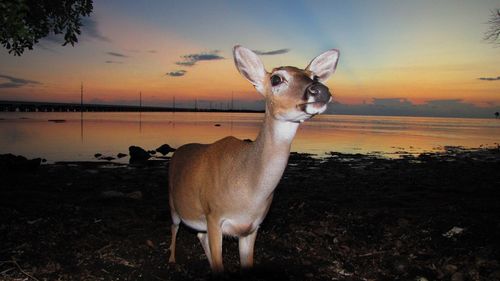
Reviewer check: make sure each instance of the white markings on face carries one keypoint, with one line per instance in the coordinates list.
(313, 108)
(283, 86)
(280, 88)
(295, 116)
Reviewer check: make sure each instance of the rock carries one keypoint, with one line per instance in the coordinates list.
(494, 275)
(150, 244)
(450, 268)
(121, 155)
(217, 125)
(137, 195)
(164, 149)
(457, 276)
(453, 232)
(112, 194)
(400, 264)
(108, 158)
(248, 140)
(138, 155)
(57, 120)
(34, 221)
(474, 275)
(152, 152)
(398, 244)
(49, 268)
(11, 162)
(97, 155)
(402, 222)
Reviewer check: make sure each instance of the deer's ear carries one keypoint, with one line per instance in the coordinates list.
(250, 66)
(325, 64)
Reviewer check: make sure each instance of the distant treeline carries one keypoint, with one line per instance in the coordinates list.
(30, 106)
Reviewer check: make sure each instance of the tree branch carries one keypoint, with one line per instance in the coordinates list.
(493, 33)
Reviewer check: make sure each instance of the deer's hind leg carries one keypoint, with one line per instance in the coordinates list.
(204, 243)
(176, 220)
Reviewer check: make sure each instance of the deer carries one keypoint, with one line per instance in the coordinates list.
(226, 188)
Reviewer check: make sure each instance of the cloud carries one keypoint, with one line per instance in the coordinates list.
(489, 78)
(117, 54)
(192, 59)
(113, 61)
(176, 73)
(90, 29)
(391, 102)
(185, 63)
(404, 107)
(151, 51)
(271, 53)
(445, 102)
(14, 82)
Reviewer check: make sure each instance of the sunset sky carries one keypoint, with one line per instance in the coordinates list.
(423, 54)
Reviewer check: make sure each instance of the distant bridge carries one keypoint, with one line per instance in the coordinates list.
(30, 106)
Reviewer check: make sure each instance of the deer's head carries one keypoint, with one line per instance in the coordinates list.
(292, 94)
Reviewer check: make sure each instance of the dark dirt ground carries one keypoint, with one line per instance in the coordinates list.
(343, 217)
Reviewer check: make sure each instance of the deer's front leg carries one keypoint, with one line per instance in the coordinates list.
(246, 246)
(215, 242)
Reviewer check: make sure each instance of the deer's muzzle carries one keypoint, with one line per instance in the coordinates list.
(317, 92)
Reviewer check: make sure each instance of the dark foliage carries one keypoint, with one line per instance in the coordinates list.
(24, 22)
(493, 33)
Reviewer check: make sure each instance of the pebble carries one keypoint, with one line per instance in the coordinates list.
(450, 268)
(457, 276)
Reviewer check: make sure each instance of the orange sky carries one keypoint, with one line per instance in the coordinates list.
(419, 51)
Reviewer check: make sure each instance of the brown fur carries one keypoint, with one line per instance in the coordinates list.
(226, 188)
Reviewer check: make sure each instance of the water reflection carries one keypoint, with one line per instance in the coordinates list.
(111, 133)
(81, 126)
(140, 121)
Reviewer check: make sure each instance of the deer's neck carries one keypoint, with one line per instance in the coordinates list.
(272, 149)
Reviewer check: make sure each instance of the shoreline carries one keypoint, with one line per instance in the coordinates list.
(344, 217)
(123, 159)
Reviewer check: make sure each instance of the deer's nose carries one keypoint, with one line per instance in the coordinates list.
(319, 92)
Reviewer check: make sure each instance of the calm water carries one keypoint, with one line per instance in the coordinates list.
(32, 135)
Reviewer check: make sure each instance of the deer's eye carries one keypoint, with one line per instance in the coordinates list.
(276, 80)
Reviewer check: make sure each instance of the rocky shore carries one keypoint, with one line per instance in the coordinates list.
(435, 216)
